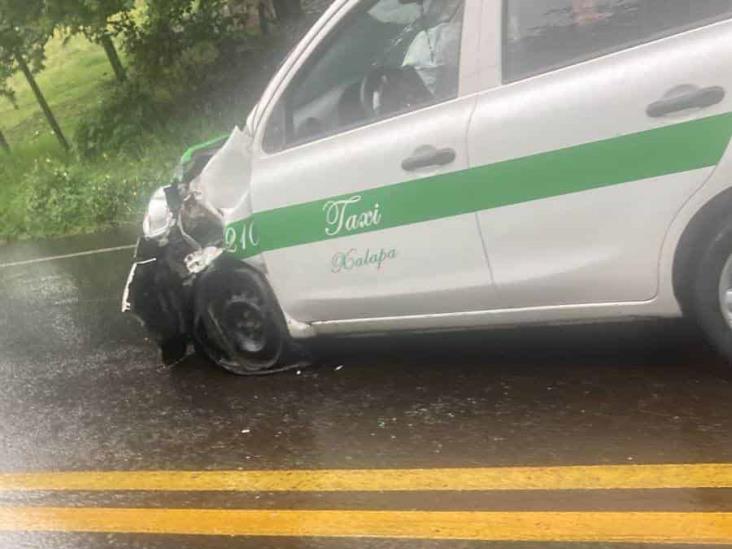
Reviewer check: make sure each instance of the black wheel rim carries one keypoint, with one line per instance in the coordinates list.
(245, 338)
(246, 328)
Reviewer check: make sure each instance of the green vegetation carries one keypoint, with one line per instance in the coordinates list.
(188, 74)
(44, 191)
(74, 78)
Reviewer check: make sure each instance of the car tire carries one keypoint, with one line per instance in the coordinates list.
(239, 325)
(710, 299)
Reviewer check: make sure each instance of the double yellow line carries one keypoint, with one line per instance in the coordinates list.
(637, 527)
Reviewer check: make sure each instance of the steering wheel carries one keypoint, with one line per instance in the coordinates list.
(371, 89)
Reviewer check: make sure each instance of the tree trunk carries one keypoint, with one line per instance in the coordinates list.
(4, 143)
(42, 101)
(113, 56)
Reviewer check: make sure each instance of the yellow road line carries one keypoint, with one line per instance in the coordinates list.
(610, 477)
(695, 528)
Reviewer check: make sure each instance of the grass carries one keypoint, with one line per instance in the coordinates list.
(76, 80)
(76, 76)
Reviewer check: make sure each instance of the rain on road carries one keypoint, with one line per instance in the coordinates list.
(517, 416)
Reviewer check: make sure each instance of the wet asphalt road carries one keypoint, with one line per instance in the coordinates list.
(82, 390)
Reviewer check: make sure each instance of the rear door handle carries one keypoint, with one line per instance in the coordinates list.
(686, 97)
(428, 156)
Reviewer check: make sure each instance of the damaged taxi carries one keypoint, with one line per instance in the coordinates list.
(456, 164)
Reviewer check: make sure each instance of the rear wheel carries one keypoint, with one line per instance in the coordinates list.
(711, 295)
(239, 325)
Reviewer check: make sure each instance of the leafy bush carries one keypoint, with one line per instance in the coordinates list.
(118, 122)
(178, 54)
(177, 44)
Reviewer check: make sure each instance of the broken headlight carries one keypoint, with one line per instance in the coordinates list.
(159, 218)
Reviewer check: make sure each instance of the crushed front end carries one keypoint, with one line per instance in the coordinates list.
(181, 237)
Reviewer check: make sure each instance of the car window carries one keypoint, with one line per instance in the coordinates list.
(541, 35)
(386, 57)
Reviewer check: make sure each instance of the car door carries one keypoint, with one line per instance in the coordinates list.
(606, 117)
(352, 167)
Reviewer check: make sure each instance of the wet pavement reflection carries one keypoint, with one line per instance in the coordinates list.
(83, 390)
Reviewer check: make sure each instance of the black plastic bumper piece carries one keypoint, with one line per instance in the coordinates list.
(161, 298)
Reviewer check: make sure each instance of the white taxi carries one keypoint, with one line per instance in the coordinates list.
(461, 164)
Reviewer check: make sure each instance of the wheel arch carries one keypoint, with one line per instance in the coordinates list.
(227, 263)
(688, 250)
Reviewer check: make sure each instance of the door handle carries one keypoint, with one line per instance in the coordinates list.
(425, 157)
(687, 97)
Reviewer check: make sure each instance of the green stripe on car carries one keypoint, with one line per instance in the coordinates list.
(654, 153)
(188, 154)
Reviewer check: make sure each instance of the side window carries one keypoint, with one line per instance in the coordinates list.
(541, 35)
(386, 57)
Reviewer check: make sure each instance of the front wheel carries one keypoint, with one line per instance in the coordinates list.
(711, 295)
(239, 325)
